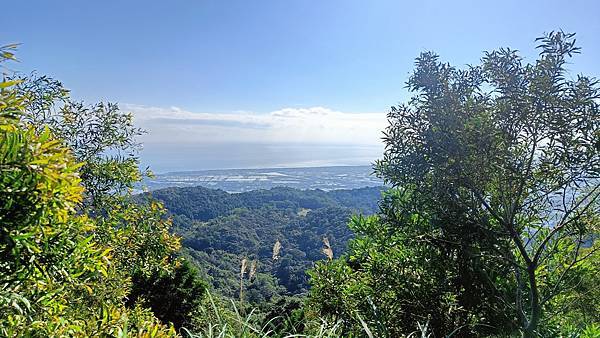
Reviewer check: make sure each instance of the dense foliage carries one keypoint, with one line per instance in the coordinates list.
(496, 172)
(401, 271)
(219, 229)
(57, 278)
(202, 204)
(173, 296)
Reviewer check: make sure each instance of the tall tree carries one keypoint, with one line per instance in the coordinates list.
(103, 139)
(494, 210)
(53, 274)
(100, 135)
(516, 146)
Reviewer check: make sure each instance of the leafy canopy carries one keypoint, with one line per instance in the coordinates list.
(496, 168)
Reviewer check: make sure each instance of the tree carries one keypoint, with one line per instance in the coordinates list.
(577, 307)
(52, 273)
(100, 135)
(402, 270)
(514, 145)
(103, 139)
(173, 296)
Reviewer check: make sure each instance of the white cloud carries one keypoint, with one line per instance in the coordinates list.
(315, 125)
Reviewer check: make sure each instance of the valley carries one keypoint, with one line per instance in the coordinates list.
(220, 229)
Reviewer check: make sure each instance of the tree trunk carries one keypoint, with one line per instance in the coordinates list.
(535, 306)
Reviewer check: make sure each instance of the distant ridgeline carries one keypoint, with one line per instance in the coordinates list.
(219, 229)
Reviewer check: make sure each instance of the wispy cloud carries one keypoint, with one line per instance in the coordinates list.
(314, 125)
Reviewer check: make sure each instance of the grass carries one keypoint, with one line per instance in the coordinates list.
(220, 321)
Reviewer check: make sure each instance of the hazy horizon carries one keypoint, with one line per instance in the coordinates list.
(179, 140)
(257, 156)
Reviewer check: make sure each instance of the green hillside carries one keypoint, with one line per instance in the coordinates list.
(219, 229)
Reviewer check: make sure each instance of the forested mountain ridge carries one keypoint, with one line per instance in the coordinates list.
(201, 204)
(219, 229)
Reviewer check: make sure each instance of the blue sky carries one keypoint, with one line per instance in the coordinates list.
(232, 72)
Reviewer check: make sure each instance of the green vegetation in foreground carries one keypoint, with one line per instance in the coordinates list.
(70, 237)
(490, 227)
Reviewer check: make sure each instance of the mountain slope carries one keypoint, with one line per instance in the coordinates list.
(219, 229)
